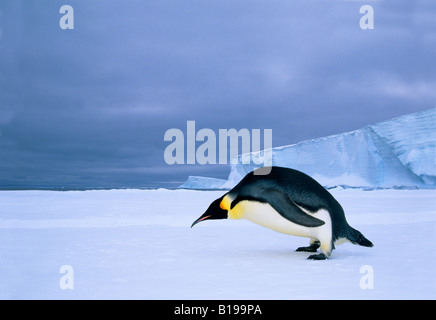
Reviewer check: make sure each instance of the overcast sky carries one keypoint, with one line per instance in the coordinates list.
(89, 107)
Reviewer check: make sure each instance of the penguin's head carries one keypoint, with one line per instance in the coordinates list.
(215, 211)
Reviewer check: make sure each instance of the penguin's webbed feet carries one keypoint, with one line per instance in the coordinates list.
(319, 256)
(314, 245)
(312, 248)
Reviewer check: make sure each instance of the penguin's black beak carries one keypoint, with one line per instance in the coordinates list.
(203, 217)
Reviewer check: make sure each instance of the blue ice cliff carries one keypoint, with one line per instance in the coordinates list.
(397, 153)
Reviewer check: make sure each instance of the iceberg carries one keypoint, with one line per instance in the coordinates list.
(197, 182)
(397, 153)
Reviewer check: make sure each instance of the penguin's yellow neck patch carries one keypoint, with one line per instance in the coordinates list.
(225, 203)
(236, 212)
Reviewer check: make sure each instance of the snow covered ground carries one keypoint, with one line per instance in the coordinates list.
(138, 244)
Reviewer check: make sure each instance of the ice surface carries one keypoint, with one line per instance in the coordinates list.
(394, 153)
(138, 244)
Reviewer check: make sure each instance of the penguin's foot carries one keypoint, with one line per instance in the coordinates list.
(312, 248)
(319, 256)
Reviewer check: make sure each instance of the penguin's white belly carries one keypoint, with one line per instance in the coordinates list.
(265, 215)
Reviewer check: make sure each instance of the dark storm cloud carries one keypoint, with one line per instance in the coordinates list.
(90, 106)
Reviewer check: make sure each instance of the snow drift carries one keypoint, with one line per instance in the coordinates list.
(398, 153)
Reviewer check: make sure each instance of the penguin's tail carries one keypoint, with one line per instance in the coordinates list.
(357, 238)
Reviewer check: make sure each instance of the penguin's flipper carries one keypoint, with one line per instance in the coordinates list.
(280, 202)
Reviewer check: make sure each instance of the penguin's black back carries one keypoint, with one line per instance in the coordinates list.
(303, 190)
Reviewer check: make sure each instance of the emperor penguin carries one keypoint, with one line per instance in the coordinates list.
(290, 202)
